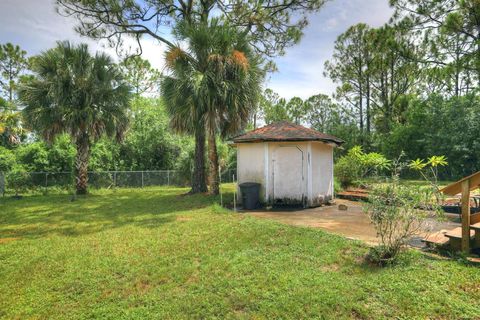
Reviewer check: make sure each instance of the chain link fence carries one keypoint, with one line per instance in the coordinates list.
(44, 181)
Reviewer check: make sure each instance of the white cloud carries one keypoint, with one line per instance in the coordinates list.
(35, 26)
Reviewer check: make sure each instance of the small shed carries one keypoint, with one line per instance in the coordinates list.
(293, 164)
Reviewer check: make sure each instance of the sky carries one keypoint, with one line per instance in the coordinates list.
(35, 26)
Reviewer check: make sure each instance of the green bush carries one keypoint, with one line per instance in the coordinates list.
(61, 154)
(33, 156)
(7, 159)
(356, 165)
(337, 187)
(346, 174)
(18, 179)
(397, 212)
(185, 162)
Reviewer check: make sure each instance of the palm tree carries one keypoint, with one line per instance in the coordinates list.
(213, 88)
(186, 110)
(76, 93)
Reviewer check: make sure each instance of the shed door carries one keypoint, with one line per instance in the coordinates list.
(288, 180)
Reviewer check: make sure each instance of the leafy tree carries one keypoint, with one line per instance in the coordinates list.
(140, 75)
(296, 110)
(392, 75)
(272, 25)
(438, 125)
(322, 113)
(374, 67)
(79, 94)
(350, 68)
(273, 107)
(450, 31)
(149, 144)
(13, 63)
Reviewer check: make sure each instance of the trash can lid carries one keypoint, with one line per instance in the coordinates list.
(249, 184)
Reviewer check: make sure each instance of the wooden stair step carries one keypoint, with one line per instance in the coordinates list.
(437, 238)
(474, 260)
(475, 226)
(457, 233)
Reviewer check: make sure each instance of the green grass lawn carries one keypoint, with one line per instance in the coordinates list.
(152, 253)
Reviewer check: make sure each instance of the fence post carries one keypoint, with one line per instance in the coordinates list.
(142, 180)
(2, 183)
(234, 195)
(46, 182)
(220, 185)
(115, 179)
(168, 177)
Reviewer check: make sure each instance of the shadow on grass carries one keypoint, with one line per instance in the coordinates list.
(39, 216)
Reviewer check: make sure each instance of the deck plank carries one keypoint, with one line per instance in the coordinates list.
(437, 238)
(457, 233)
(475, 226)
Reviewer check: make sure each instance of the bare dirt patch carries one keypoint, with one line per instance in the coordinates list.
(183, 218)
(7, 240)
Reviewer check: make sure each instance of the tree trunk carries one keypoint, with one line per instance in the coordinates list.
(199, 184)
(81, 164)
(360, 93)
(213, 181)
(368, 105)
(360, 107)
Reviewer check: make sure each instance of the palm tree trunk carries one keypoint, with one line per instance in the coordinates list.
(213, 181)
(81, 164)
(199, 184)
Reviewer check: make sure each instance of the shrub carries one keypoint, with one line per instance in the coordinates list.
(33, 156)
(7, 159)
(356, 165)
(397, 213)
(18, 179)
(185, 164)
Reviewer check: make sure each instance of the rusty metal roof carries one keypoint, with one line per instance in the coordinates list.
(286, 131)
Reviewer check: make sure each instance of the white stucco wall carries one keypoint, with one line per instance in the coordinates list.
(311, 178)
(322, 173)
(251, 166)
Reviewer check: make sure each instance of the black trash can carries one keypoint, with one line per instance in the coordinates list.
(250, 195)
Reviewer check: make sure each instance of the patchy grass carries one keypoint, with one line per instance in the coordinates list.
(152, 253)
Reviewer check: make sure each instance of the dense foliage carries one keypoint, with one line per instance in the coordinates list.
(357, 165)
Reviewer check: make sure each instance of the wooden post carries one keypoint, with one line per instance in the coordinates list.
(466, 216)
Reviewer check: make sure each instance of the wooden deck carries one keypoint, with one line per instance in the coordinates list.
(353, 194)
(437, 238)
(451, 238)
